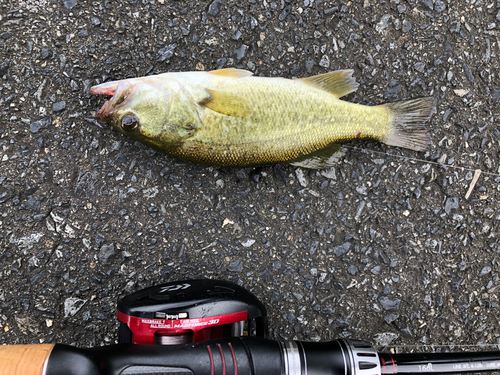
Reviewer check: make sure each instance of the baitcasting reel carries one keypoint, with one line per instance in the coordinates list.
(190, 311)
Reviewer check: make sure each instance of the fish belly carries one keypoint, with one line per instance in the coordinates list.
(289, 119)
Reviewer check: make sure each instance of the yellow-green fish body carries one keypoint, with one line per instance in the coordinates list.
(230, 118)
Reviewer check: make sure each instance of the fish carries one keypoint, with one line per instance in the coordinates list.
(231, 118)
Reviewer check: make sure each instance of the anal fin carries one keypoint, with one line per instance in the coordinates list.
(324, 158)
(338, 83)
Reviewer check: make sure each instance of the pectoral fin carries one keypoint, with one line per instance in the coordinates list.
(320, 159)
(227, 104)
(337, 83)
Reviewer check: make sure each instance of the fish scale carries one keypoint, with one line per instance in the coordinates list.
(230, 118)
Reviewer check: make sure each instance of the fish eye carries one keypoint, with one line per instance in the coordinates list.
(130, 122)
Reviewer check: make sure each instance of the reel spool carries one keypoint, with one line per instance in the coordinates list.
(190, 311)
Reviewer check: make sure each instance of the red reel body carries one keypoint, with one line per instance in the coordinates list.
(190, 311)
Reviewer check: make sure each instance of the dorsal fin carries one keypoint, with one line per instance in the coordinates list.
(227, 104)
(231, 72)
(337, 83)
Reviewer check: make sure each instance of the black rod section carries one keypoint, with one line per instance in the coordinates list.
(439, 363)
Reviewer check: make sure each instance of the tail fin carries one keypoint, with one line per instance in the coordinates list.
(408, 118)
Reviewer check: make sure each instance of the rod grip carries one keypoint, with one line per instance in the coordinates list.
(23, 359)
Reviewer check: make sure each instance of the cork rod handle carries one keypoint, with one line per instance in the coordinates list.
(23, 359)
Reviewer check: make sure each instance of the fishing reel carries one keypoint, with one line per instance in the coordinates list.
(228, 328)
(190, 311)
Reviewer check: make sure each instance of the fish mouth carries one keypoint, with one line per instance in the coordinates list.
(108, 88)
(102, 113)
(118, 92)
(104, 89)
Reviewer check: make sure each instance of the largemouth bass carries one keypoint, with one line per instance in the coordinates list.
(228, 117)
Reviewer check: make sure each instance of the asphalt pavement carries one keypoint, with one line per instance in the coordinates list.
(390, 245)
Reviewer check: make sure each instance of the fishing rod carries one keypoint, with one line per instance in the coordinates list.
(163, 331)
(238, 356)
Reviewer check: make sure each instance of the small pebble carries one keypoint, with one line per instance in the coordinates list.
(59, 107)
(214, 8)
